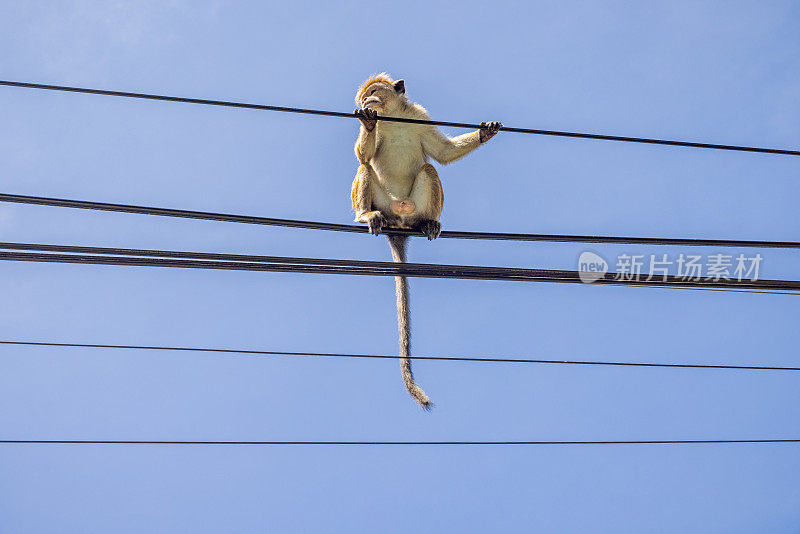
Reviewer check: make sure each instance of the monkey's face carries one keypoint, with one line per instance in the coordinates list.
(383, 97)
(377, 97)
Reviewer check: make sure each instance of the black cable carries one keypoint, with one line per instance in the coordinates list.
(359, 267)
(388, 266)
(251, 352)
(395, 119)
(422, 267)
(616, 442)
(501, 236)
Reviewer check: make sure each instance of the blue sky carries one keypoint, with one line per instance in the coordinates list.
(724, 72)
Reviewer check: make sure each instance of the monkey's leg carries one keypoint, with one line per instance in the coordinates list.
(369, 200)
(428, 197)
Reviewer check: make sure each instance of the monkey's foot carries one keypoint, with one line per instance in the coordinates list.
(403, 207)
(430, 228)
(376, 222)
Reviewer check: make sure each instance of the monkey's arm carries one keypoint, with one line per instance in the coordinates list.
(365, 145)
(445, 149)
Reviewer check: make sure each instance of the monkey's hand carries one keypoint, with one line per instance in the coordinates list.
(488, 130)
(368, 117)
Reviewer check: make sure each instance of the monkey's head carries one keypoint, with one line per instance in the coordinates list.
(381, 93)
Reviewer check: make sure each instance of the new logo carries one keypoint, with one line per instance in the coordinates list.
(591, 267)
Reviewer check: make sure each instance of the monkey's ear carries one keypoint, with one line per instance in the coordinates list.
(400, 87)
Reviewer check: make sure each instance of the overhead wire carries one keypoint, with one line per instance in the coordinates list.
(401, 443)
(314, 225)
(240, 262)
(253, 352)
(352, 115)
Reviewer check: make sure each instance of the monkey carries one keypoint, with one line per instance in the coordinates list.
(397, 187)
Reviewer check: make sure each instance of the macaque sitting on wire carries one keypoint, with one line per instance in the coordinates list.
(396, 186)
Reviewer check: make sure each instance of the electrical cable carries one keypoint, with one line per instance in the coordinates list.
(251, 352)
(177, 259)
(615, 442)
(501, 236)
(352, 115)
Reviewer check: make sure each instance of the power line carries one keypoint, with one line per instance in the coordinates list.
(252, 352)
(163, 258)
(376, 443)
(269, 221)
(176, 259)
(388, 266)
(351, 115)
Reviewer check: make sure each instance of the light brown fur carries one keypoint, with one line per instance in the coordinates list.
(396, 186)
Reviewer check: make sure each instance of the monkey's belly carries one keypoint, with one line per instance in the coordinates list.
(396, 170)
(397, 187)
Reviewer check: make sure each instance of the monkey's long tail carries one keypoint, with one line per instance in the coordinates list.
(397, 244)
